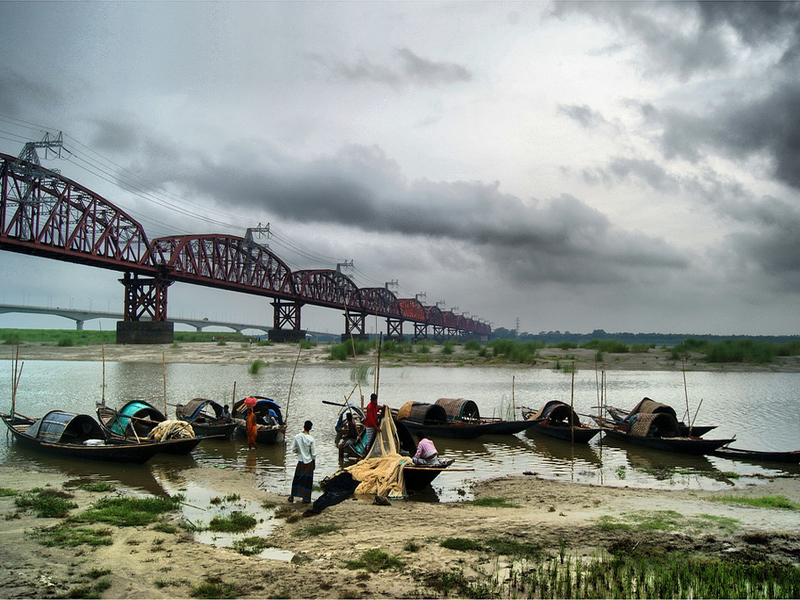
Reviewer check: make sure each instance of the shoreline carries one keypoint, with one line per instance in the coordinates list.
(656, 359)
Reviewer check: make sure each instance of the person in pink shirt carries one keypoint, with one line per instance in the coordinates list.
(427, 454)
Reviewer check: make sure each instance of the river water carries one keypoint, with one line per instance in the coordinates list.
(760, 409)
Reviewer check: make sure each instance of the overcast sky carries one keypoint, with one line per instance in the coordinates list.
(627, 166)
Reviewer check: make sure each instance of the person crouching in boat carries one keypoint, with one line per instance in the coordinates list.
(427, 454)
(349, 436)
(306, 462)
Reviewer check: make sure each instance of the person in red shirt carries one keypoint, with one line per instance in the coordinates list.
(373, 418)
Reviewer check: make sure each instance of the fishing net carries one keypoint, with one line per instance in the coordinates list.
(381, 472)
(171, 430)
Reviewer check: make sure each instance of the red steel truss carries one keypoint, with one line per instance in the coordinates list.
(45, 214)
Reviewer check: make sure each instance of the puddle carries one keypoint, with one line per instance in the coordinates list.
(201, 505)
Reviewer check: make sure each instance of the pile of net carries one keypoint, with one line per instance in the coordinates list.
(171, 430)
(381, 472)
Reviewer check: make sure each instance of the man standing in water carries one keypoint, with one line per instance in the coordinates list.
(306, 452)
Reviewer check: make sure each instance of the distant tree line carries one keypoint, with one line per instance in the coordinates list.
(553, 338)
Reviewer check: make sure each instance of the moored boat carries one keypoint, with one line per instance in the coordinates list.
(556, 419)
(462, 410)
(269, 431)
(139, 422)
(788, 456)
(453, 418)
(76, 436)
(205, 417)
(648, 406)
(659, 431)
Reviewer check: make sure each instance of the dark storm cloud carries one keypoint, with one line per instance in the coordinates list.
(115, 136)
(18, 92)
(409, 69)
(767, 229)
(768, 125)
(689, 37)
(647, 171)
(583, 115)
(360, 187)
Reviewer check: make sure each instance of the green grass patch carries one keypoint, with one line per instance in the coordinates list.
(100, 486)
(655, 575)
(46, 502)
(235, 522)
(250, 545)
(164, 583)
(214, 588)
(375, 560)
(5, 492)
(494, 502)
(128, 512)
(759, 501)
(256, 366)
(67, 536)
(321, 528)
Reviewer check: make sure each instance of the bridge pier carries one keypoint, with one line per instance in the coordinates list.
(78, 325)
(286, 313)
(145, 332)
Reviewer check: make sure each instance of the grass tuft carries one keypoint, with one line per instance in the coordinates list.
(235, 522)
(493, 502)
(760, 501)
(375, 560)
(128, 512)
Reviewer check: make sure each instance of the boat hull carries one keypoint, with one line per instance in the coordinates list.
(670, 444)
(579, 435)
(791, 457)
(463, 431)
(112, 452)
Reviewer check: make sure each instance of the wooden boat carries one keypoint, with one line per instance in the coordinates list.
(417, 477)
(789, 456)
(646, 405)
(659, 431)
(136, 422)
(556, 419)
(462, 410)
(76, 436)
(433, 420)
(205, 417)
(267, 433)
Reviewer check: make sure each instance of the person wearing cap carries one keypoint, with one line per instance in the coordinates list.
(306, 452)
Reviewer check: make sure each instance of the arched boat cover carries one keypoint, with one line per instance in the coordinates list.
(62, 427)
(555, 410)
(133, 411)
(193, 408)
(423, 413)
(649, 406)
(653, 425)
(459, 409)
(262, 408)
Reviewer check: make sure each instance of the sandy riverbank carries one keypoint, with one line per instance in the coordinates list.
(146, 563)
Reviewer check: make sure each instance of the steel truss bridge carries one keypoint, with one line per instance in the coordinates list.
(45, 214)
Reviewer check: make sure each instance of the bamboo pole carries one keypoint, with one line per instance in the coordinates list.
(686, 392)
(164, 378)
(572, 406)
(291, 384)
(378, 363)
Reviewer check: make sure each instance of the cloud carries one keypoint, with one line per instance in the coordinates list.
(409, 69)
(584, 115)
(687, 38)
(362, 189)
(19, 93)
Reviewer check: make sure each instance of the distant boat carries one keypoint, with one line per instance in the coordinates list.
(205, 417)
(556, 419)
(646, 405)
(76, 436)
(267, 433)
(136, 422)
(659, 431)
